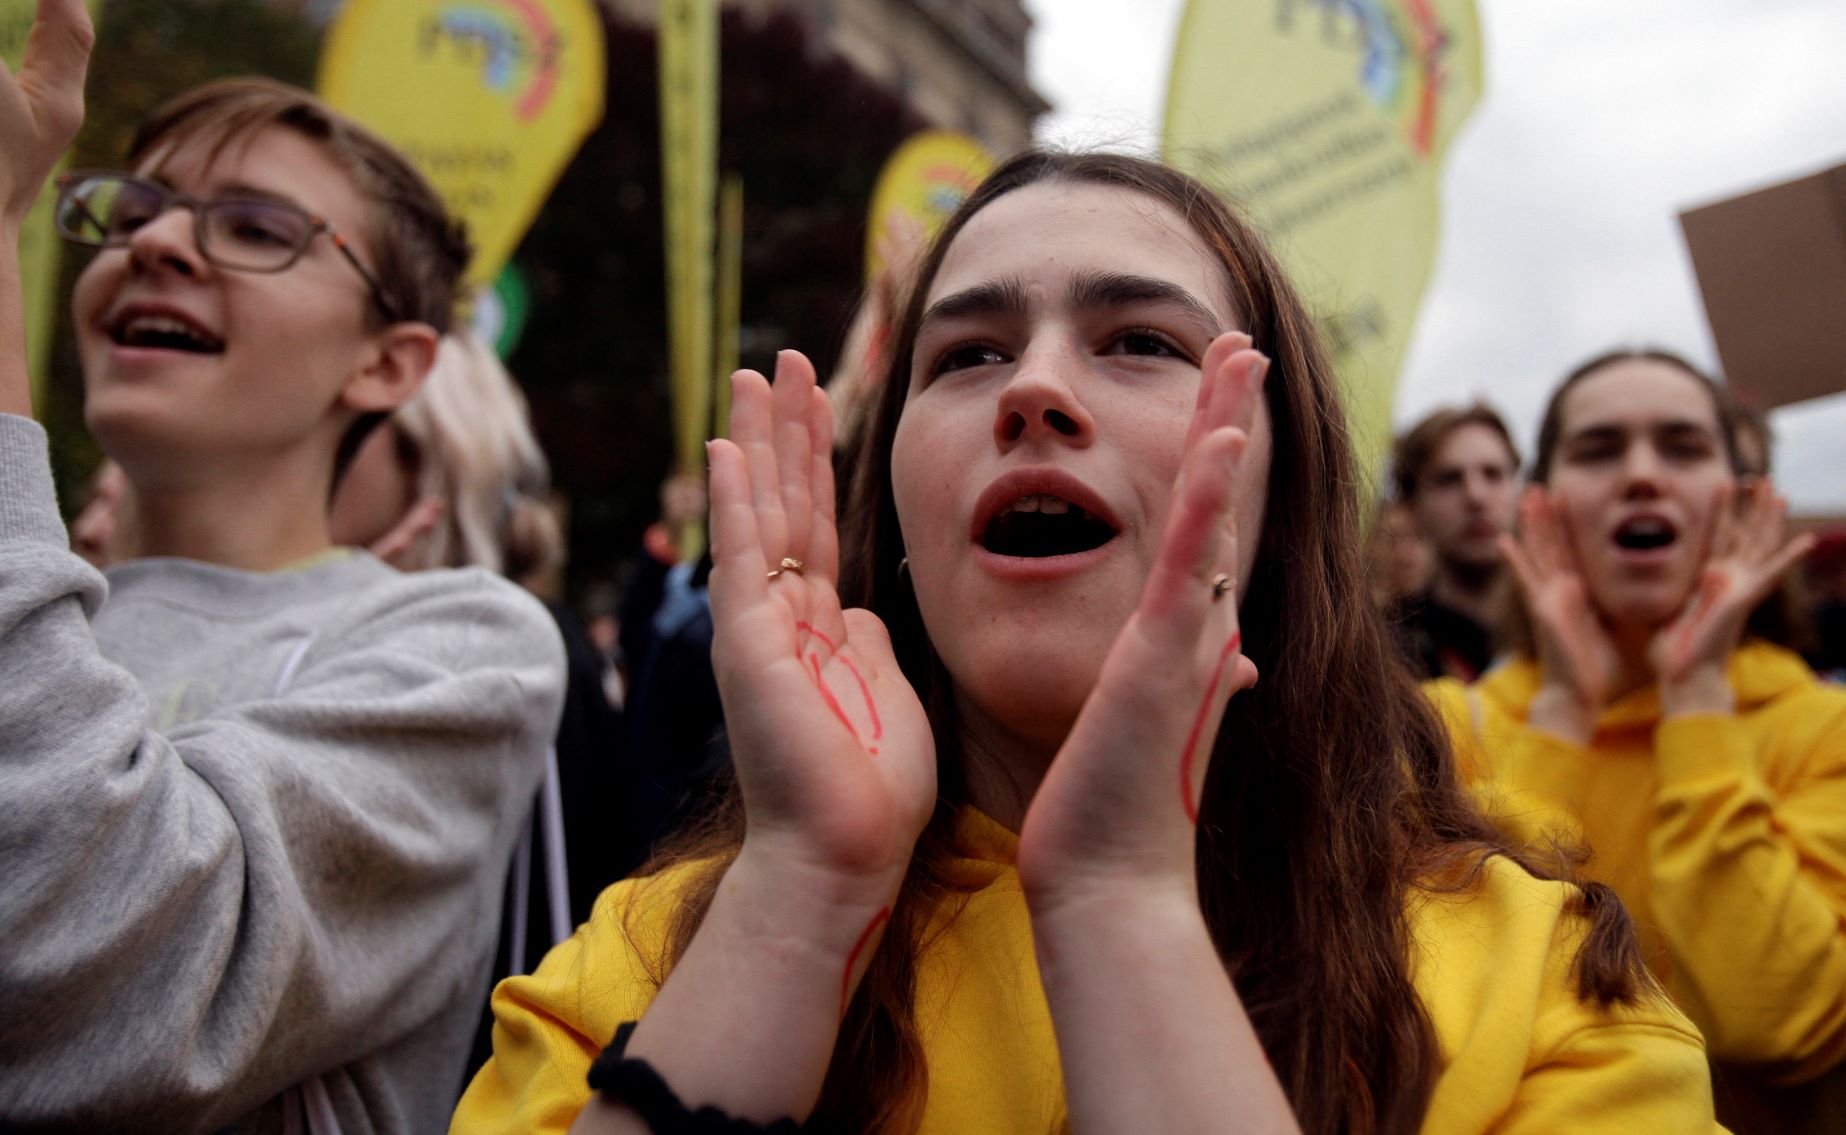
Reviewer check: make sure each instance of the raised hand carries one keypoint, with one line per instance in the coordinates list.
(1120, 801)
(42, 106)
(1576, 654)
(1746, 554)
(406, 544)
(833, 751)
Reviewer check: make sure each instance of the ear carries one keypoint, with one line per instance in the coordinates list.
(396, 363)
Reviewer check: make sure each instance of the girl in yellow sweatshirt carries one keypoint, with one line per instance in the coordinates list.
(1707, 778)
(1016, 857)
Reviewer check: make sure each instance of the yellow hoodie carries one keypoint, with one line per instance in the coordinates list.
(1520, 1053)
(1725, 835)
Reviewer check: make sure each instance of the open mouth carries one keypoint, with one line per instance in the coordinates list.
(1040, 525)
(164, 332)
(1645, 534)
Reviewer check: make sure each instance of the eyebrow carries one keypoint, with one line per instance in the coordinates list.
(245, 191)
(1104, 290)
(1601, 431)
(1002, 297)
(239, 190)
(1089, 291)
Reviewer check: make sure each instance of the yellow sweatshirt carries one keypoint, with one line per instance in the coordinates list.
(1725, 835)
(1520, 1053)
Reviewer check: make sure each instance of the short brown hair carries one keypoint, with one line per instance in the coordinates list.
(1416, 447)
(418, 250)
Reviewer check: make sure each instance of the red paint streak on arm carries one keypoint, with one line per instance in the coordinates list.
(1198, 727)
(852, 959)
(875, 345)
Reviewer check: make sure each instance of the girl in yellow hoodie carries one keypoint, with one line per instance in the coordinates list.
(1704, 771)
(988, 883)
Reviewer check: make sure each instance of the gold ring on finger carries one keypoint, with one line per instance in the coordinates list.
(789, 563)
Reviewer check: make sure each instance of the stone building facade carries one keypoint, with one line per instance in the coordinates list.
(960, 63)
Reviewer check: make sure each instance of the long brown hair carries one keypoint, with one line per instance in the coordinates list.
(1334, 794)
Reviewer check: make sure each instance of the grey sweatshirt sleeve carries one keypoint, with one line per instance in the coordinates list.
(192, 922)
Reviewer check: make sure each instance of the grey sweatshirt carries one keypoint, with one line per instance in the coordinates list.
(254, 827)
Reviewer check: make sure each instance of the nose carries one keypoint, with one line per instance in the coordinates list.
(1038, 402)
(1641, 470)
(1474, 488)
(168, 242)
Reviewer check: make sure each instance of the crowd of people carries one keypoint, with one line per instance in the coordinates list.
(1061, 743)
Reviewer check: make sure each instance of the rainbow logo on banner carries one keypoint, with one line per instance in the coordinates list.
(923, 181)
(490, 98)
(512, 42)
(1397, 46)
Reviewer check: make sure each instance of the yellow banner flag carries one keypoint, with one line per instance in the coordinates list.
(923, 181)
(490, 98)
(38, 241)
(689, 186)
(1328, 120)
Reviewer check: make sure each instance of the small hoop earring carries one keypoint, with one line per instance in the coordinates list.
(903, 567)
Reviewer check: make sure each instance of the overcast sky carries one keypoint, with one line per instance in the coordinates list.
(1600, 121)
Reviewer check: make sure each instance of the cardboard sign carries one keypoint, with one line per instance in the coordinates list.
(1772, 268)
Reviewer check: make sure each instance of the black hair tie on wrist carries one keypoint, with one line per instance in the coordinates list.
(634, 1084)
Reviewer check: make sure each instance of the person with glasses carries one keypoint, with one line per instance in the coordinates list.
(258, 794)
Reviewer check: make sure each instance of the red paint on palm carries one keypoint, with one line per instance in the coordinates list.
(1198, 727)
(833, 703)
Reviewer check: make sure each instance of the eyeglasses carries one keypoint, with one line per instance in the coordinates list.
(246, 234)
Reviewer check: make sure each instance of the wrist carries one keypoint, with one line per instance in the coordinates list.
(1113, 904)
(1559, 711)
(1093, 930)
(1704, 689)
(822, 914)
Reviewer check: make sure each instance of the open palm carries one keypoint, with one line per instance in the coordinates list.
(1575, 650)
(1748, 554)
(832, 748)
(42, 106)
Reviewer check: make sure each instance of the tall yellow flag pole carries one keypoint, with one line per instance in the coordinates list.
(38, 241)
(730, 295)
(688, 164)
